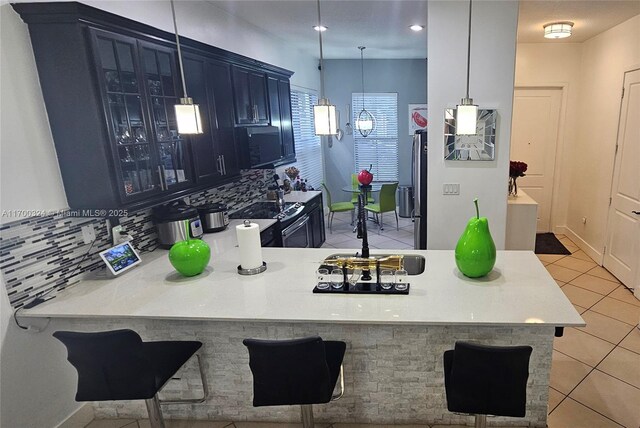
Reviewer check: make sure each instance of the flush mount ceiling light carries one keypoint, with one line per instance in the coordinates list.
(417, 27)
(558, 30)
(187, 113)
(365, 123)
(466, 111)
(324, 114)
(321, 28)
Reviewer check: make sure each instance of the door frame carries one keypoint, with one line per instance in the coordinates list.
(607, 229)
(560, 143)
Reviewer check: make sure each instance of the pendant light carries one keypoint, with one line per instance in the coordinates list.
(187, 113)
(365, 123)
(466, 111)
(324, 114)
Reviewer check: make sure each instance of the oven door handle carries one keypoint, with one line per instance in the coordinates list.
(295, 227)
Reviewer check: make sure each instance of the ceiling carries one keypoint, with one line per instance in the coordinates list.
(380, 25)
(383, 25)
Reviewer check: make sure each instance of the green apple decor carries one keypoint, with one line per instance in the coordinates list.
(476, 252)
(191, 256)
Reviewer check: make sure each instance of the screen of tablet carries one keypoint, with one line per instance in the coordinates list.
(120, 258)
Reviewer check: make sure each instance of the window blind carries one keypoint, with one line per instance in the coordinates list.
(380, 148)
(308, 149)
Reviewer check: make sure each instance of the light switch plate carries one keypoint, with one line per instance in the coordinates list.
(451, 189)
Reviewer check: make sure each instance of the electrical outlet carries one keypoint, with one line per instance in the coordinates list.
(451, 189)
(88, 234)
(115, 234)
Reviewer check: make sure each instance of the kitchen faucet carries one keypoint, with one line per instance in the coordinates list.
(362, 233)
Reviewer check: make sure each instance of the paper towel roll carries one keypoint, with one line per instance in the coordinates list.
(250, 247)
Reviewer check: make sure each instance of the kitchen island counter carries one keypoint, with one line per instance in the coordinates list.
(393, 366)
(519, 291)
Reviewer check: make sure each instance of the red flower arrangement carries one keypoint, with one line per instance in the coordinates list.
(517, 169)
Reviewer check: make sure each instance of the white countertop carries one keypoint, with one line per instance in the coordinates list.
(518, 291)
(521, 199)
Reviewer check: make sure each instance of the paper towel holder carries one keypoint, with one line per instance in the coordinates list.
(253, 271)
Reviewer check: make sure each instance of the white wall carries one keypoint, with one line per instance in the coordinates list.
(29, 173)
(605, 58)
(492, 76)
(37, 384)
(555, 65)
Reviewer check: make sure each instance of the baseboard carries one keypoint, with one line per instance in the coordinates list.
(596, 255)
(80, 418)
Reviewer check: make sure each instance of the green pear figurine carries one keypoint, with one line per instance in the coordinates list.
(191, 256)
(476, 252)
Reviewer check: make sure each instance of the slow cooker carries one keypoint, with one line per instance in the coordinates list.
(214, 217)
(172, 222)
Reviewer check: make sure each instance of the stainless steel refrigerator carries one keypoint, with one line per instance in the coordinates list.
(419, 181)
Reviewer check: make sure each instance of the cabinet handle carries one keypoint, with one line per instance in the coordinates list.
(219, 164)
(161, 178)
(255, 112)
(224, 165)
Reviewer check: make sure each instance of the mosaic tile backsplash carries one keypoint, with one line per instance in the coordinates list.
(47, 254)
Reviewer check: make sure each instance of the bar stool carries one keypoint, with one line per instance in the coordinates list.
(296, 372)
(118, 365)
(487, 380)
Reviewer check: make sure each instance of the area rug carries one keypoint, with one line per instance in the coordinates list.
(547, 243)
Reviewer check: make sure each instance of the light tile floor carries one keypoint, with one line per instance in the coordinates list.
(342, 235)
(595, 374)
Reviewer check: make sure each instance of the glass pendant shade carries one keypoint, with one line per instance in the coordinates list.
(365, 123)
(466, 118)
(325, 118)
(188, 117)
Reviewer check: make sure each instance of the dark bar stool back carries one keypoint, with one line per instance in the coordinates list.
(487, 380)
(295, 372)
(118, 365)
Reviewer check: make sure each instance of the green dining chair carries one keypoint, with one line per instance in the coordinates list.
(338, 207)
(387, 203)
(355, 184)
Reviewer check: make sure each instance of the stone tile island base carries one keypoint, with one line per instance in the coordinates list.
(393, 373)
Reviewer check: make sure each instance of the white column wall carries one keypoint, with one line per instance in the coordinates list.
(493, 49)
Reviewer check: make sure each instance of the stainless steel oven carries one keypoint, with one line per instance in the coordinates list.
(297, 234)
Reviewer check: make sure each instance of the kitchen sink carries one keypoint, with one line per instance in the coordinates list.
(413, 263)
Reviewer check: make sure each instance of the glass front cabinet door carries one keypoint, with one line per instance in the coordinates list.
(139, 86)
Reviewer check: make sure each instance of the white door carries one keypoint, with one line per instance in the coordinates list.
(534, 137)
(622, 252)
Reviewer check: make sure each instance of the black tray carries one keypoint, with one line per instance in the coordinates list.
(361, 288)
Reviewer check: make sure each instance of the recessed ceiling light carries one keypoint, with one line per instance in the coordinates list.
(320, 28)
(417, 27)
(558, 30)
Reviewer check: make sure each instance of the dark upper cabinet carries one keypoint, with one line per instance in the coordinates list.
(110, 83)
(286, 122)
(250, 96)
(161, 84)
(214, 151)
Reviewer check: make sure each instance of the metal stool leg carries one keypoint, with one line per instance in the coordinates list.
(155, 413)
(306, 411)
(481, 421)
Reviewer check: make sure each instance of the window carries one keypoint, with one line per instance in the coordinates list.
(308, 149)
(380, 148)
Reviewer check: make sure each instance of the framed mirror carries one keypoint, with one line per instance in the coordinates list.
(479, 147)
